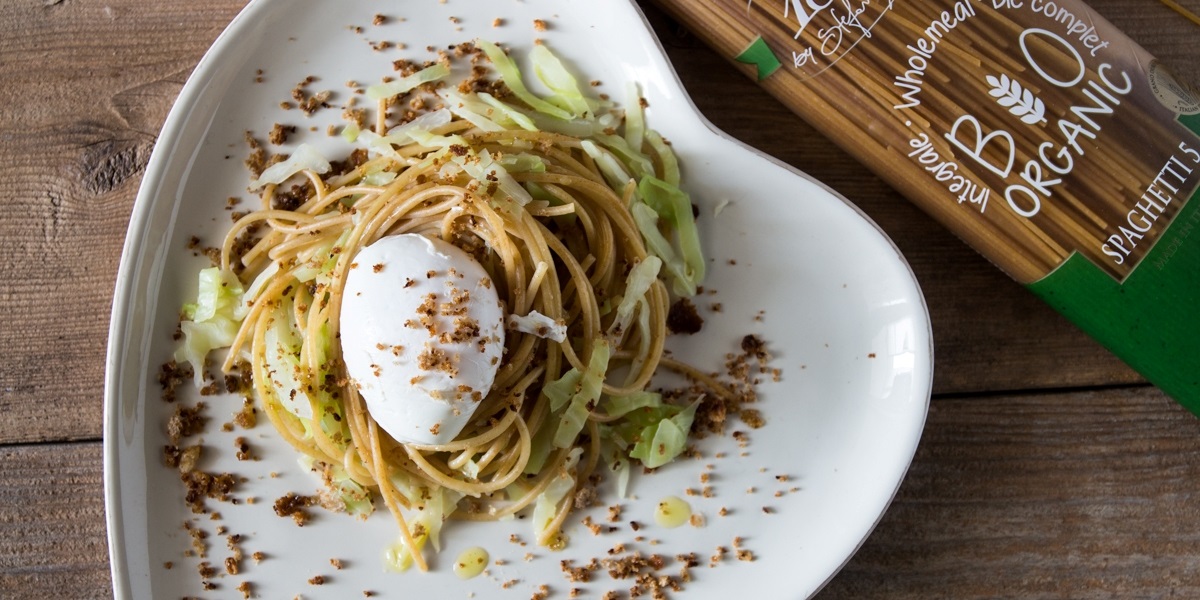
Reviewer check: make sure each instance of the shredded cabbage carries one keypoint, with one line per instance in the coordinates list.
(379, 178)
(580, 128)
(401, 134)
(535, 323)
(432, 140)
(305, 158)
(666, 156)
(584, 400)
(517, 117)
(212, 321)
(424, 519)
(483, 169)
(623, 468)
(672, 204)
(547, 502)
(551, 72)
(661, 442)
(647, 222)
(525, 163)
(619, 406)
(632, 159)
(259, 283)
(378, 144)
(219, 293)
(472, 110)
(201, 338)
(561, 390)
(541, 446)
(511, 74)
(356, 500)
(641, 277)
(404, 84)
(614, 173)
(282, 355)
(635, 119)
(398, 558)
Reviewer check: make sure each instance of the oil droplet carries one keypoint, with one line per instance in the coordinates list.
(558, 542)
(471, 562)
(672, 512)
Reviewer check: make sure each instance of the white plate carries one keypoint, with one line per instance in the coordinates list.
(839, 307)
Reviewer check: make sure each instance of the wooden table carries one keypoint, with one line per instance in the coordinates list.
(1048, 469)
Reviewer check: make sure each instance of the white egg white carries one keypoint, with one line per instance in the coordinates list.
(422, 335)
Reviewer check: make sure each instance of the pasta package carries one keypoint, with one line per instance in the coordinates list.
(1033, 129)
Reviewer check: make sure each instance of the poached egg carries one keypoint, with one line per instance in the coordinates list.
(422, 336)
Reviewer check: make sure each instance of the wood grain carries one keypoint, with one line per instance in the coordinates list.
(1082, 495)
(1046, 470)
(86, 87)
(52, 535)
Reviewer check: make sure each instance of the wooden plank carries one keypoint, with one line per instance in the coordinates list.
(1083, 495)
(87, 86)
(52, 534)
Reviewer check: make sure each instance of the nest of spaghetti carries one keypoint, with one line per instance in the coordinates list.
(587, 240)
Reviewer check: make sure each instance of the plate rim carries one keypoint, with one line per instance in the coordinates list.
(121, 315)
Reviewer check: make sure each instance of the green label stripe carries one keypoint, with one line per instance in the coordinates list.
(1152, 320)
(761, 56)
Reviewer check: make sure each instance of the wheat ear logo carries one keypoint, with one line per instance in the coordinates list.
(1019, 101)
